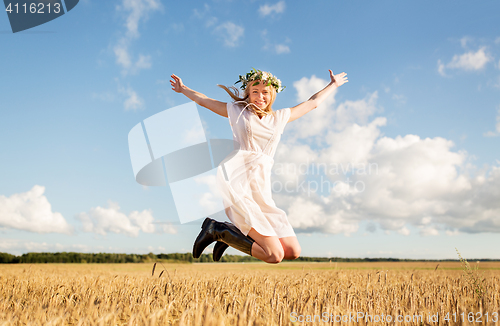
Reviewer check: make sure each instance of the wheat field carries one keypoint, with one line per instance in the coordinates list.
(289, 293)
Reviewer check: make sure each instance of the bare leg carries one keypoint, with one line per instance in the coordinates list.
(291, 247)
(266, 248)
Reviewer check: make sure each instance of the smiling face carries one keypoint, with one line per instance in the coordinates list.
(261, 95)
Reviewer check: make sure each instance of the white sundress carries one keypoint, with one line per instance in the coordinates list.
(244, 177)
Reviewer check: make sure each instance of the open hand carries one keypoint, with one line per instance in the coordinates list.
(176, 83)
(338, 80)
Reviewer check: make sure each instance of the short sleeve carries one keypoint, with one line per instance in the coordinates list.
(233, 111)
(283, 116)
(229, 109)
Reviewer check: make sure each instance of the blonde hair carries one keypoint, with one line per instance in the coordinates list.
(235, 95)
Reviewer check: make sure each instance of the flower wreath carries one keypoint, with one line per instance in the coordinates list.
(258, 75)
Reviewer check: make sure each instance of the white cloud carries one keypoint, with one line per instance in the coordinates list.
(319, 119)
(310, 216)
(404, 231)
(122, 55)
(470, 61)
(426, 231)
(230, 33)
(464, 40)
(123, 58)
(490, 134)
(211, 21)
(31, 211)
(144, 62)
(357, 112)
(205, 15)
(366, 176)
(441, 68)
(400, 98)
(266, 9)
(166, 228)
(209, 201)
(102, 220)
(452, 232)
(133, 101)
(137, 10)
(351, 145)
(281, 48)
(193, 136)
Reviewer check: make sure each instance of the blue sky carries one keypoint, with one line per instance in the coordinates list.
(422, 108)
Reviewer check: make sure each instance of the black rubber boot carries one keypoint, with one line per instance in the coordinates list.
(219, 249)
(212, 230)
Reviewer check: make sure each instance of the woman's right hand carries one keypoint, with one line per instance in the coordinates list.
(176, 83)
(217, 107)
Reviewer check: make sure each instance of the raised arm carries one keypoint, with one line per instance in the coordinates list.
(315, 100)
(213, 105)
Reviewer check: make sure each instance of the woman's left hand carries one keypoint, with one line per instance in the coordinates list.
(338, 80)
(176, 83)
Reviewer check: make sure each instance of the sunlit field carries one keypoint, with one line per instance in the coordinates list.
(249, 294)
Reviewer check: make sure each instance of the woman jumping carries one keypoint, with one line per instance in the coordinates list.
(259, 229)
